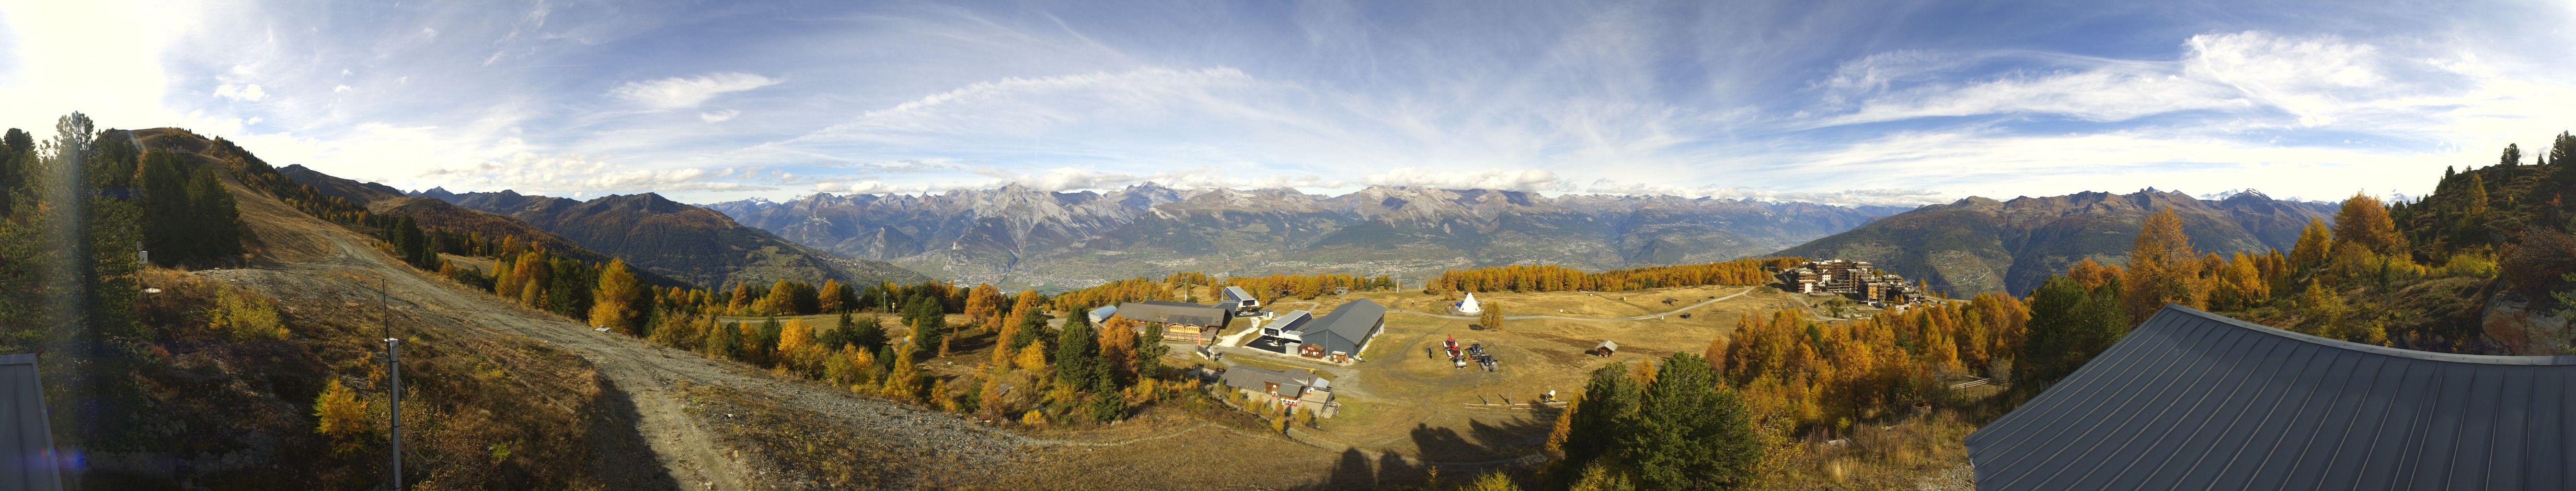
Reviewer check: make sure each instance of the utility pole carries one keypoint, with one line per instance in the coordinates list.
(393, 358)
(393, 366)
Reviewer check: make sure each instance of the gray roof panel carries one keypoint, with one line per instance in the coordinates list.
(2192, 400)
(1173, 313)
(1353, 321)
(26, 440)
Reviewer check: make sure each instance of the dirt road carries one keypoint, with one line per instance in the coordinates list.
(1658, 315)
(329, 263)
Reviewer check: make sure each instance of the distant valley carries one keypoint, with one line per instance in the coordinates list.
(1982, 245)
(1021, 237)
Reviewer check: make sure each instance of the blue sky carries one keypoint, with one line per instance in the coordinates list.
(1855, 103)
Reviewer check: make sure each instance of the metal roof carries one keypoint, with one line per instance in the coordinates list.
(26, 442)
(2194, 400)
(1237, 293)
(1251, 377)
(1173, 313)
(1354, 322)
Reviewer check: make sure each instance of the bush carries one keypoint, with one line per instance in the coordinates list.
(245, 315)
(342, 417)
(2470, 264)
(2540, 263)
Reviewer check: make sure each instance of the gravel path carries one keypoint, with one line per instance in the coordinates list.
(647, 372)
(1658, 315)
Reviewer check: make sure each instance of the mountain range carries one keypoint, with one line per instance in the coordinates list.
(1982, 245)
(1023, 237)
(686, 242)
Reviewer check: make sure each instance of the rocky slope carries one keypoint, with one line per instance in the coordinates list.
(1019, 236)
(683, 241)
(1981, 245)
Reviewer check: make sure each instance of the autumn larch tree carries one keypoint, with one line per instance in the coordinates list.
(2364, 221)
(2163, 268)
(620, 302)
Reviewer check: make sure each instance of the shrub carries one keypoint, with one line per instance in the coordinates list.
(342, 417)
(245, 315)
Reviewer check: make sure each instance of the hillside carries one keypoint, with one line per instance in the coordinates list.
(683, 241)
(1017, 236)
(1981, 245)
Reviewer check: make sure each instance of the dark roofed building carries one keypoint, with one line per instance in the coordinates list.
(1262, 380)
(1181, 321)
(1240, 301)
(2193, 400)
(1341, 334)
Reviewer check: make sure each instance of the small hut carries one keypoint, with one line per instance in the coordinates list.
(1605, 349)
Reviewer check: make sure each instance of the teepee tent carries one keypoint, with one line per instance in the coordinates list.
(1468, 306)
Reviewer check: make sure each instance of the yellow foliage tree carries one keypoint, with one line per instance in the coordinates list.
(2364, 222)
(343, 417)
(984, 306)
(1033, 358)
(2163, 268)
(245, 316)
(1564, 427)
(2092, 274)
(903, 381)
(1118, 348)
(621, 299)
(794, 335)
(2315, 243)
(829, 299)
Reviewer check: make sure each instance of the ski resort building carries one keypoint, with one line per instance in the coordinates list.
(1240, 302)
(1337, 337)
(1187, 322)
(2193, 400)
(1300, 390)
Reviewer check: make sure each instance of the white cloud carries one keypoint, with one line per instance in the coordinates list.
(1068, 179)
(718, 116)
(872, 186)
(1021, 105)
(1854, 197)
(249, 93)
(688, 92)
(1510, 180)
(2314, 79)
(340, 88)
(98, 57)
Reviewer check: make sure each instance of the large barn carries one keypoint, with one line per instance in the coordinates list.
(1336, 337)
(2194, 400)
(1186, 322)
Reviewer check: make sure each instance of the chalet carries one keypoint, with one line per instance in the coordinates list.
(1605, 349)
(1287, 387)
(1181, 321)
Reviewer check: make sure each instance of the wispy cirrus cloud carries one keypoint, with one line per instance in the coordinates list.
(687, 92)
(1921, 101)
